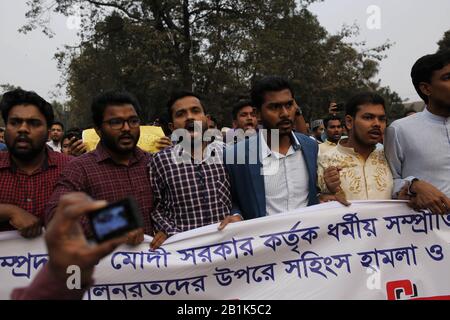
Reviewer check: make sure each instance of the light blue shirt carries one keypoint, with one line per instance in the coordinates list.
(286, 178)
(419, 147)
(3, 147)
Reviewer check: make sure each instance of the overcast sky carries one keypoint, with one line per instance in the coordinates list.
(415, 26)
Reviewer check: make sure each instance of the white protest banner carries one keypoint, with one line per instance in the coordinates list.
(371, 250)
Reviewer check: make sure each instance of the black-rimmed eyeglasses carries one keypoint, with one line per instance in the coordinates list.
(118, 123)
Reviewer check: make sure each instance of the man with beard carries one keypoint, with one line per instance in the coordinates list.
(244, 122)
(190, 184)
(117, 168)
(317, 130)
(418, 147)
(333, 130)
(244, 116)
(356, 167)
(274, 171)
(29, 170)
(56, 134)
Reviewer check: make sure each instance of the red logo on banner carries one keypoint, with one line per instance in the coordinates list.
(406, 290)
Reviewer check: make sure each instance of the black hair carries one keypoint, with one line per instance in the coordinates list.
(331, 118)
(74, 132)
(423, 69)
(353, 105)
(57, 123)
(164, 123)
(268, 84)
(111, 98)
(67, 136)
(213, 119)
(175, 96)
(75, 129)
(21, 97)
(239, 106)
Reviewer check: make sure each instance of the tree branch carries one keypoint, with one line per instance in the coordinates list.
(116, 6)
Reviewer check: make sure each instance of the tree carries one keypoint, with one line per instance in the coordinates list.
(59, 112)
(444, 43)
(129, 58)
(395, 108)
(215, 47)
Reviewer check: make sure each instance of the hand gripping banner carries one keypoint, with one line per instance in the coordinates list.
(371, 250)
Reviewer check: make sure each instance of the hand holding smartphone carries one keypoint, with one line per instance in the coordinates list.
(115, 220)
(336, 108)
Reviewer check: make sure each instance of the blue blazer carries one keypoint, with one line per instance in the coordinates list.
(247, 182)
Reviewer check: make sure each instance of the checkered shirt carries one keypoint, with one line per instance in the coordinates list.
(189, 195)
(96, 174)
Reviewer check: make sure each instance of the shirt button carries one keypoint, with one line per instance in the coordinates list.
(29, 200)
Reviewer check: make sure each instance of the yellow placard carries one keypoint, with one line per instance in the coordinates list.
(90, 139)
(147, 142)
(149, 137)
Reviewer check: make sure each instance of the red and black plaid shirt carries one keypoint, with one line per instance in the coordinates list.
(29, 192)
(96, 174)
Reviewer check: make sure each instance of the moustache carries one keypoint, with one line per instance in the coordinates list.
(190, 126)
(193, 126)
(376, 131)
(126, 136)
(23, 138)
(285, 122)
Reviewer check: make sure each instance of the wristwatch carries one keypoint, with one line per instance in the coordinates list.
(238, 214)
(410, 192)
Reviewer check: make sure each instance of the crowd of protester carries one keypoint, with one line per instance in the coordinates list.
(266, 163)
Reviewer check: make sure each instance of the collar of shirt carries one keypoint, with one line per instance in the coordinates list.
(348, 150)
(434, 118)
(102, 154)
(331, 144)
(49, 162)
(314, 138)
(266, 152)
(53, 145)
(210, 151)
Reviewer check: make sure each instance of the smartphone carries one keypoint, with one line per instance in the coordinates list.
(115, 220)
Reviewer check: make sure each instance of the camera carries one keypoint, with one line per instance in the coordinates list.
(115, 219)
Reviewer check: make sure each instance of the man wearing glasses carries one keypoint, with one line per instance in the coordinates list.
(117, 168)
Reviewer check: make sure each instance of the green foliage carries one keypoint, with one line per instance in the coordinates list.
(215, 47)
(444, 43)
(394, 104)
(7, 87)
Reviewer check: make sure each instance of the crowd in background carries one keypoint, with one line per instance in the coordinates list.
(48, 179)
